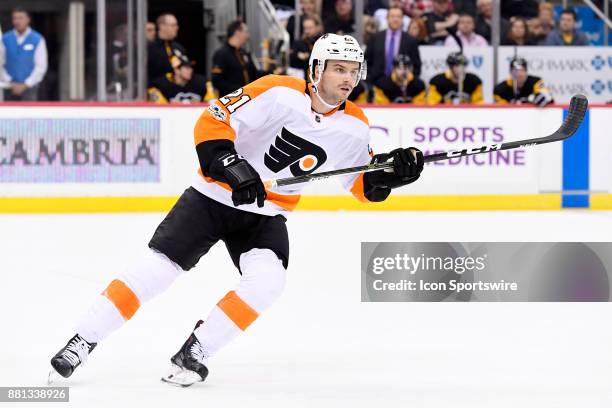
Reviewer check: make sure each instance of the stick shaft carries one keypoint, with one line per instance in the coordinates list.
(577, 110)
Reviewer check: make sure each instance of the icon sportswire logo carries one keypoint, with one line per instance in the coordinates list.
(289, 150)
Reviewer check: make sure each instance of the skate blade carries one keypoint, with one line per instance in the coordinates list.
(53, 377)
(180, 377)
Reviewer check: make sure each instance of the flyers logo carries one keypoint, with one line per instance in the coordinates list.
(289, 150)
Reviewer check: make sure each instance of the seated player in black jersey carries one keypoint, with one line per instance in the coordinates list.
(361, 93)
(522, 88)
(455, 86)
(401, 86)
(180, 86)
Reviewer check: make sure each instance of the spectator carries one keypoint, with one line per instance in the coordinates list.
(484, 18)
(327, 7)
(546, 17)
(343, 20)
(521, 88)
(519, 8)
(300, 53)
(117, 68)
(401, 86)
(418, 30)
(385, 45)
(455, 86)
(535, 29)
(466, 34)
(307, 7)
(370, 27)
(440, 21)
(567, 34)
(25, 58)
(182, 86)
(465, 7)
(518, 34)
(165, 46)
(150, 31)
(381, 15)
(371, 6)
(233, 67)
(416, 8)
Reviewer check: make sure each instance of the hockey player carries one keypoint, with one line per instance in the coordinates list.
(275, 127)
(522, 88)
(455, 86)
(401, 86)
(181, 86)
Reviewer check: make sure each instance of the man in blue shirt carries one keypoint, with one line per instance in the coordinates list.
(25, 58)
(567, 34)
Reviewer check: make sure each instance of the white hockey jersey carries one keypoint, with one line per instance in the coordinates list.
(274, 128)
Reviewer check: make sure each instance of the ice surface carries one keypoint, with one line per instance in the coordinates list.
(319, 345)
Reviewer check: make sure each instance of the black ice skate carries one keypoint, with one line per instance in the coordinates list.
(189, 364)
(72, 355)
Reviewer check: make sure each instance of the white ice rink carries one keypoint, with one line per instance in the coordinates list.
(319, 345)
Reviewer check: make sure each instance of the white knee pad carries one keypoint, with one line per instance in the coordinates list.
(151, 275)
(263, 278)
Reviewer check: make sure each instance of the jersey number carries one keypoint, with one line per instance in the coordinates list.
(231, 107)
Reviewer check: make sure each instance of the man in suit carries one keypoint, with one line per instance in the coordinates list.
(385, 45)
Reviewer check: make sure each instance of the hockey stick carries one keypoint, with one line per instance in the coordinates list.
(577, 109)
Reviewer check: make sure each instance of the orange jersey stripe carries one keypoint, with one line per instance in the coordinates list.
(258, 87)
(214, 126)
(237, 310)
(123, 298)
(288, 202)
(209, 127)
(353, 110)
(357, 189)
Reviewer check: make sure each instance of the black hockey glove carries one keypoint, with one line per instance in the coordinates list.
(244, 180)
(406, 168)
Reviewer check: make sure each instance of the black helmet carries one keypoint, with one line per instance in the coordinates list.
(402, 60)
(456, 58)
(518, 62)
(180, 60)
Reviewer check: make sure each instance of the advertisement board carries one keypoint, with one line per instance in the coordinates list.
(76, 150)
(565, 70)
(146, 154)
(522, 171)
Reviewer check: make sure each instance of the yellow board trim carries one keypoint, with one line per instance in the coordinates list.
(527, 202)
(601, 201)
(58, 205)
(435, 203)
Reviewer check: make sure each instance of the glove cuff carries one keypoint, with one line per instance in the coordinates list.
(208, 154)
(240, 173)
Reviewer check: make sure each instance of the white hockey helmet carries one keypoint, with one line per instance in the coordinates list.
(336, 47)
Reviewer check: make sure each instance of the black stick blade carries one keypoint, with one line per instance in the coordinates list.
(577, 109)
